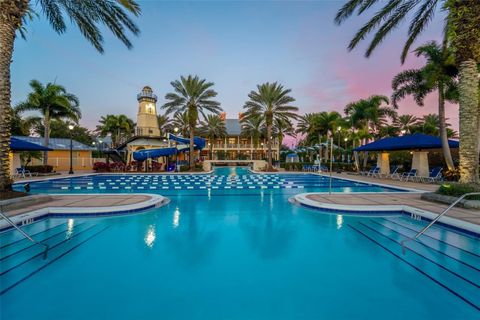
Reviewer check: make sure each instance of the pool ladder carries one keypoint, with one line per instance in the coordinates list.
(13, 224)
(436, 219)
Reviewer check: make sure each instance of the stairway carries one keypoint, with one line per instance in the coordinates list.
(20, 259)
(448, 258)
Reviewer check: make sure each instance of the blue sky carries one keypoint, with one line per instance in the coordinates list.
(235, 44)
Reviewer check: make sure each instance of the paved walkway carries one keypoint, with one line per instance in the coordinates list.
(411, 199)
(83, 201)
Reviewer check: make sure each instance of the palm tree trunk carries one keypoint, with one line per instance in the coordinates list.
(443, 128)
(468, 89)
(191, 158)
(46, 135)
(7, 37)
(269, 147)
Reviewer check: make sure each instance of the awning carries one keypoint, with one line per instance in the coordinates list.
(22, 145)
(408, 142)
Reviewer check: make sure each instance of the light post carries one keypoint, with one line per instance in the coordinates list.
(70, 128)
(176, 149)
(338, 132)
(345, 139)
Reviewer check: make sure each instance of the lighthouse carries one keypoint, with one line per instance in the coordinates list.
(147, 124)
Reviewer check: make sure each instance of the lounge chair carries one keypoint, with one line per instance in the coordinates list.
(434, 175)
(374, 173)
(367, 173)
(394, 174)
(409, 175)
(22, 172)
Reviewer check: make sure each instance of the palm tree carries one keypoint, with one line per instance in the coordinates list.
(53, 102)
(20, 126)
(253, 128)
(212, 128)
(308, 125)
(463, 19)
(438, 74)
(406, 122)
(120, 127)
(370, 113)
(88, 15)
(164, 124)
(193, 96)
(281, 128)
(270, 102)
(180, 121)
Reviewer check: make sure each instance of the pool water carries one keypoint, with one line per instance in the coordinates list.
(226, 256)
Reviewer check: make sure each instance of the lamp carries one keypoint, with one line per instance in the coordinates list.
(176, 149)
(70, 128)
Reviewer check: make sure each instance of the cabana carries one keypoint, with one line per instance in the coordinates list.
(418, 143)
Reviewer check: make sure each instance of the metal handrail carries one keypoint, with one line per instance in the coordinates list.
(437, 218)
(26, 235)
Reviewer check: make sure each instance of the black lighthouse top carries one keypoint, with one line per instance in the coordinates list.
(147, 95)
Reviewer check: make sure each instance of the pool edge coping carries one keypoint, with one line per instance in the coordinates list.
(413, 211)
(155, 201)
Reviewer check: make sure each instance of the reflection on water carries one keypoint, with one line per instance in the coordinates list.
(150, 236)
(339, 221)
(70, 225)
(176, 218)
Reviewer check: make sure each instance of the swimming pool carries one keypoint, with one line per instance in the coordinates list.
(226, 256)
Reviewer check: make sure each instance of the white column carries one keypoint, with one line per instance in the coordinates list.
(420, 162)
(383, 161)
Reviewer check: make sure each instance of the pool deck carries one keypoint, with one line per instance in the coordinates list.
(365, 201)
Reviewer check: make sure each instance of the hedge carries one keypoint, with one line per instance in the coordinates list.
(40, 168)
(457, 189)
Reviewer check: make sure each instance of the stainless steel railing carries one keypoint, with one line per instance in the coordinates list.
(10, 222)
(437, 218)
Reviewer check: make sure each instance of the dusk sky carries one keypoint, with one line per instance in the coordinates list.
(235, 44)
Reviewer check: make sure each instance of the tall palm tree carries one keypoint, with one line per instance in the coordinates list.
(212, 128)
(438, 74)
(370, 113)
(120, 127)
(193, 96)
(406, 122)
(463, 19)
(271, 101)
(253, 128)
(88, 15)
(164, 124)
(53, 102)
(308, 126)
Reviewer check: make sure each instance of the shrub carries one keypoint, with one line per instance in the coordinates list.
(101, 167)
(458, 189)
(40, 168)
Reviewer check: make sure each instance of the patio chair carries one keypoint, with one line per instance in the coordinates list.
(409, 175)
(394, 174)
(22, 172)
(366, 173)
(434, 175)
(375, 172)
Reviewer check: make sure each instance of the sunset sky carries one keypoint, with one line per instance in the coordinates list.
(235, 44)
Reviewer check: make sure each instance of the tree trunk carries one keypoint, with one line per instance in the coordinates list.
(468, 89)
(191, 158)
(7, 37)
(46, 135)
(443, 128)
(269, 147)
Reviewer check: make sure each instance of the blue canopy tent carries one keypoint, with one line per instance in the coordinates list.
(415, 142)
(22, 145)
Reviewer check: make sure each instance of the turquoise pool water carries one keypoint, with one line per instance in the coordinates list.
(227, 256)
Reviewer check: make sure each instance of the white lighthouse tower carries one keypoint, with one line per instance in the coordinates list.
(147, 124)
